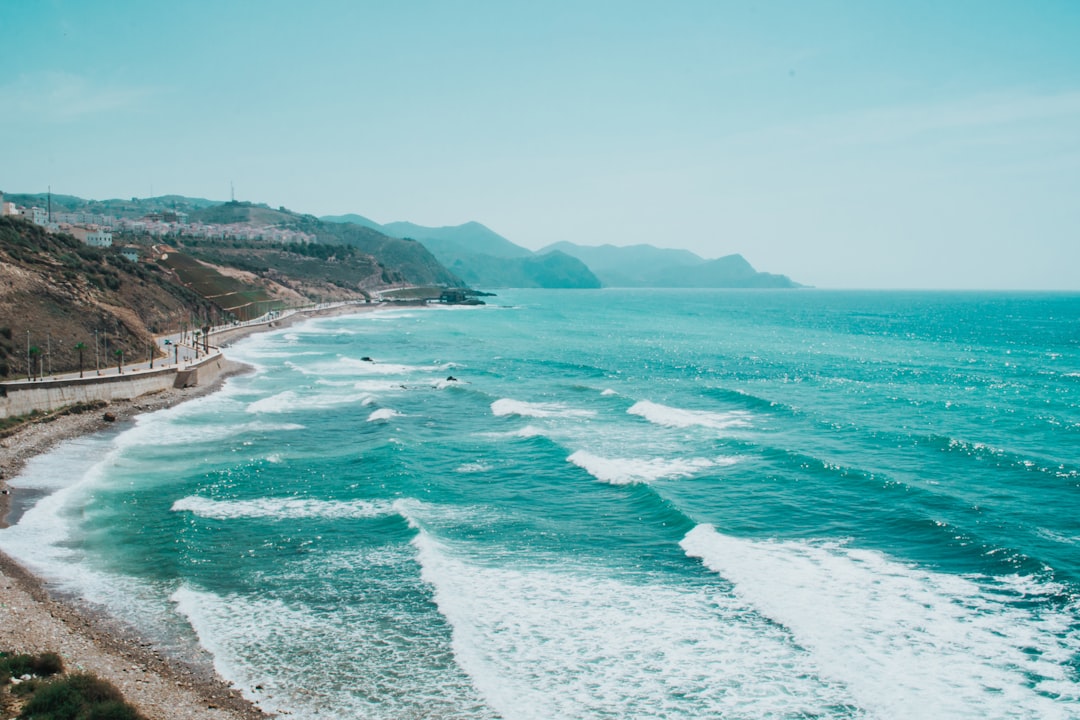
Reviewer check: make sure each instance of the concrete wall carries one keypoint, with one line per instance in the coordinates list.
(22, 398)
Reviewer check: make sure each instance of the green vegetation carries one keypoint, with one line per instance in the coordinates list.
(33, 688)
(18, 665)
(240, 299)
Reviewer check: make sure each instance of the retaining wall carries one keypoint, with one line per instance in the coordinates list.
(23, 398)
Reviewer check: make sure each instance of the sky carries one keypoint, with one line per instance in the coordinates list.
(857, 144)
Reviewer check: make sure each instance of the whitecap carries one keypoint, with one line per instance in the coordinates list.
(543, 639)
(904, 639)
(383, 414)
(679, 418)
(625, 471)
(507, 406)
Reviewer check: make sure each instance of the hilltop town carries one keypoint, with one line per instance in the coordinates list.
(97, 229)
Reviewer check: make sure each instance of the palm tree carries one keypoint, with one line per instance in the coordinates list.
(33, 354)
(79, 347)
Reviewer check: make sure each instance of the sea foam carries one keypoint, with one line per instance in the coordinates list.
(679, 418)
(383, 414)
(282, 508)
(547, 640)
(625, 471)
(903, 639)
(506, 406)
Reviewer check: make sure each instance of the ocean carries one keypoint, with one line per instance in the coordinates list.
(625, 504)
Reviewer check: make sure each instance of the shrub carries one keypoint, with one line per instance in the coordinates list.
(47, 664)
(92, 689)
(54, 700)
(16, 665)
(77, 697)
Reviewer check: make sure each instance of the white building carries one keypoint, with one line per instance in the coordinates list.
(35, 214)
(98, 238)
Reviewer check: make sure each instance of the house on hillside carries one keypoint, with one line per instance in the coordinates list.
(35, 215)
(92, 236)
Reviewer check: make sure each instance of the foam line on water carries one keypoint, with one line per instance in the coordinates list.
(283, 508)
(626, 471)
(905, 639)
(290, 401)
(546, 640)
(507, 406)
(383, 414)
(680, 418)
(385, 660)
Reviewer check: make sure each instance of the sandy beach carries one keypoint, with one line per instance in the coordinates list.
(33, 620)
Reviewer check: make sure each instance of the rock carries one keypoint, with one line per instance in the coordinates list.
(109, 417)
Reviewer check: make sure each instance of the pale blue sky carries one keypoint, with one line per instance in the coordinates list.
(847, 144)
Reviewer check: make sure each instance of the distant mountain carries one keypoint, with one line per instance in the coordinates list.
(400, 260)
(649, 266)
(632, 266)
(730, 271)
(472, 238)
(551, 270)
(483, 258)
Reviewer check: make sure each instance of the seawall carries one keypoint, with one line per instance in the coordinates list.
(22, 398)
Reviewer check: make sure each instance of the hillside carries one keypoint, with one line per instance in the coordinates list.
(354, 219)
(391, 262)
(483, 258)
(56, 292)
(62, 291)
(132, 208)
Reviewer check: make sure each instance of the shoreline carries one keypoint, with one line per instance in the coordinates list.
(36, 620)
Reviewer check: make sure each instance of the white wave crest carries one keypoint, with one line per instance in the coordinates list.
(626, 471)
(507, 406)
(545, 640)
(383, 414)
(903, 639)
(291, 401)
(679, 418)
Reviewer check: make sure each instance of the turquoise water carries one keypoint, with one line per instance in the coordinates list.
(647, 504)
